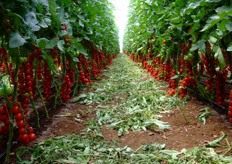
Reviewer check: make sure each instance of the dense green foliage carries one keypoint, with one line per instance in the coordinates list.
(49, 48)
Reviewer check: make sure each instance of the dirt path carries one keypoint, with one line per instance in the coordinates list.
(127, 107)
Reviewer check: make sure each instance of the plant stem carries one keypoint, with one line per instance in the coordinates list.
(11, 130)
(36, 112)
(44, 105)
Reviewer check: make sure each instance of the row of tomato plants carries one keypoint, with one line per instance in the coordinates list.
(32, 80)
(49, 48)
(34, 77)
(205, 79)
(186, 43)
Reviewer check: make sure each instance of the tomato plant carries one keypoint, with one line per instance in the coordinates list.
(49, 47)
(185, 43)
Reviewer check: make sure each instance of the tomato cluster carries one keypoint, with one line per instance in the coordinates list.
(84, 72)
(47, 82)
(55, 55)
(220, 87)
(96, 63)
(66, 89)
(3, 60)
(4, 118)
(26, 133)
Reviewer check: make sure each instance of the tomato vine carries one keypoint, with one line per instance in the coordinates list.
(184, 42)
(49, 47)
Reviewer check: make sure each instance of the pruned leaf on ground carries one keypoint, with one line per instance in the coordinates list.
(129, 100)
(173, 153)
(205, 114)
(216, 142)
(161, 125)
(89, 149)
(81, 96)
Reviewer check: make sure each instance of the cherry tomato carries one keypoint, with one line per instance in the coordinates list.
(25, 138)
(24, 106)
(29, 83)
(230, 113)
(22, 131)
(18, 116)
(21, 124)
(15, 108)
(7, 121)
(32, 136)
(230, 108)
(230, 103)
(2, 111)
(31, 130)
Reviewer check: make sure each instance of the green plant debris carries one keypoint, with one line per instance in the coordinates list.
(80, 149)
(129, 99)
(216, 142)
(205, 114)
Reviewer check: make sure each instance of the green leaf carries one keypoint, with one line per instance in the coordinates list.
(81, 23)
(224, 11)
(161, 125)
(229, 48)
(81, 49)
(32, 21)
(81, 96)
(181, 3)
(52, 43)
(174, 77)
(120, 132)
(172, 153)
(52, 8)
(213, 20)
(16, 40)
(219, 55)
(200, 45)
(75, 59)
(202, 117)
(212, 1)
(216, 142)
(212, 39)
(42, 42)
(60, 45)
(229, 26)
(222, 25)
(50, 61)
(44, 22)
(194, 5)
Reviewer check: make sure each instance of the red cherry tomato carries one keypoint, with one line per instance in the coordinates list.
(31, 130)
(22, 131)
(230, 108)
(2, 111)
(230, 113)
(25, 139)
(15, 108)
(20, 124)
(18, 116)
(32, 136)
